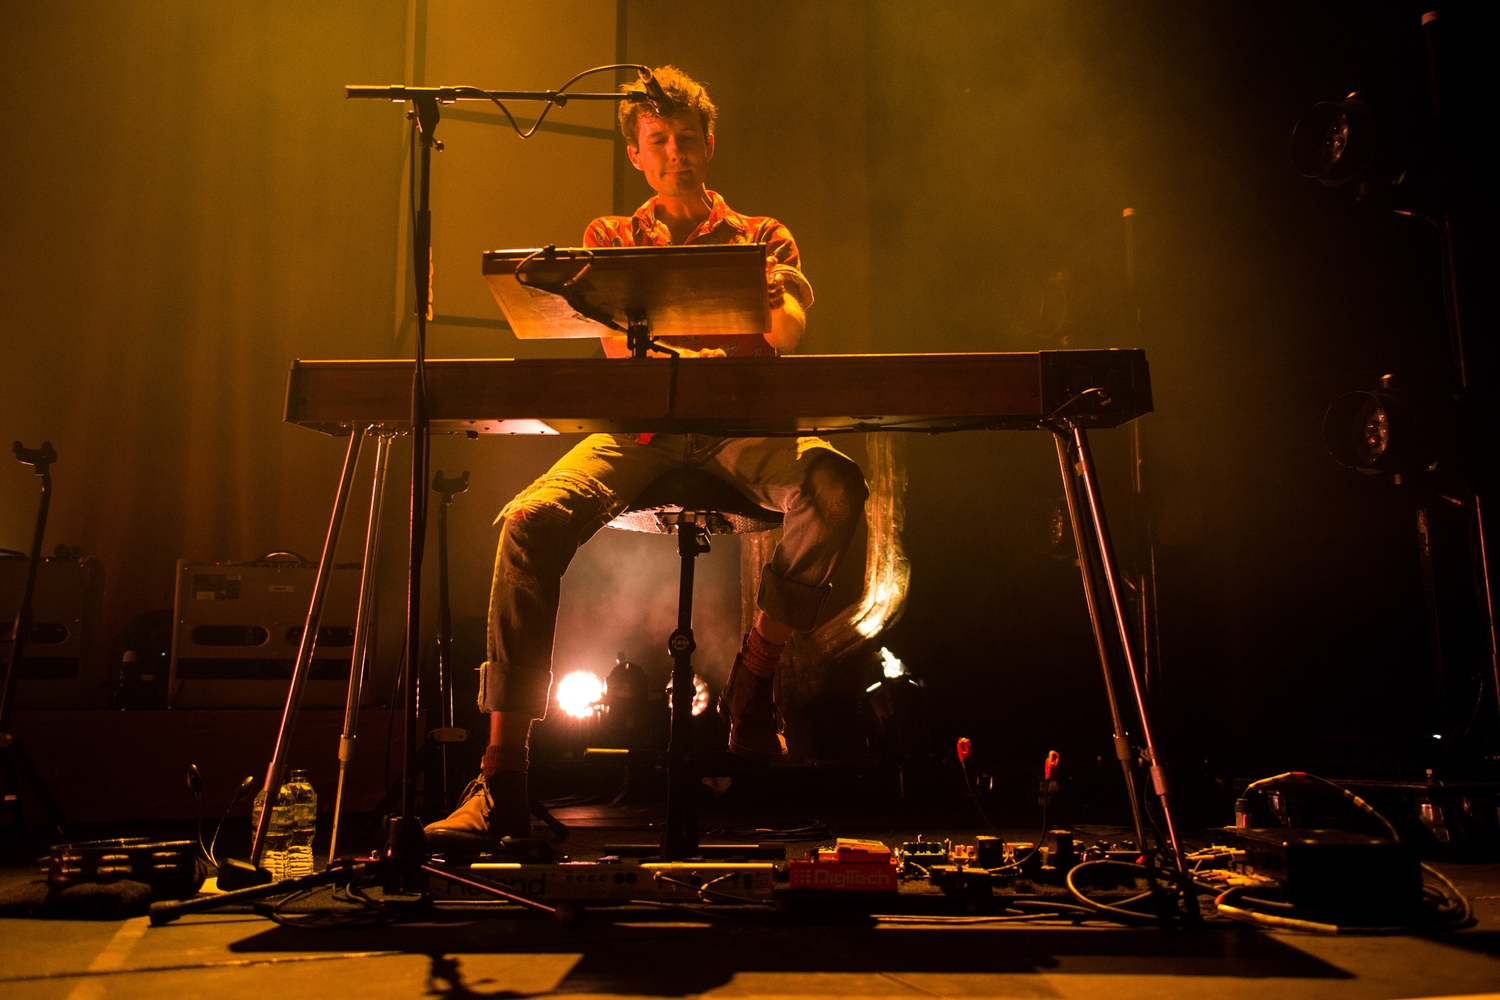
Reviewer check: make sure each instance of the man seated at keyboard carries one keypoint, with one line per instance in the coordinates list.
(820, 491)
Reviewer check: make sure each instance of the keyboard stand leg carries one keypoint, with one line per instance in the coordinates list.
(277, 769)
(363, 630)
(1112, 633)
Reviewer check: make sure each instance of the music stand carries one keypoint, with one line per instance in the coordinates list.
(642, 292)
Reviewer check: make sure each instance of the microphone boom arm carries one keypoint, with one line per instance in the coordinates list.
(399, 93)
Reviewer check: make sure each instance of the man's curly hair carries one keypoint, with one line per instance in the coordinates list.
(687, 94)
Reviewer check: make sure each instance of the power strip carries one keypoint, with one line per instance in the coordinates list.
(677, 881)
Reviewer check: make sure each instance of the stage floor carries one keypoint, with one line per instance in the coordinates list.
(657, 952)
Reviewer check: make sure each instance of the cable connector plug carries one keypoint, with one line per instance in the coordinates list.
(1048, 786)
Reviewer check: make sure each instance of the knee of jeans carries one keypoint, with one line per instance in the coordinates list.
(533, 548)
(557, 501)
(840, 489)
(541, 528)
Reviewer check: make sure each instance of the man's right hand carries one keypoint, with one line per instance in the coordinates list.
(688, 352)
(614, 347)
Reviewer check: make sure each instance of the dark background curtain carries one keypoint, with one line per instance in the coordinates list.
(190, 203)
(189, 206)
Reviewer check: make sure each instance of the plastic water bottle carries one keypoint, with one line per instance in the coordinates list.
(274, 858)
(304, 824)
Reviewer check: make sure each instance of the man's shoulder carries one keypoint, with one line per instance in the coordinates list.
(757, 227)
(765, 229)
(764, 226)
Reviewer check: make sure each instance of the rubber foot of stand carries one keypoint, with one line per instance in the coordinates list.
(237, 874)
(164, 911)
(558, 828)
(405, 854)
(678, 849)
(568, 913)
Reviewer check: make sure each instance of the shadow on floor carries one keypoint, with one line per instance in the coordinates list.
(682, 956)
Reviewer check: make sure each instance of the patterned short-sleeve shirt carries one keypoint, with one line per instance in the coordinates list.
(723, 225)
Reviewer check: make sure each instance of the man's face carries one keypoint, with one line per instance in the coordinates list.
(673, 153)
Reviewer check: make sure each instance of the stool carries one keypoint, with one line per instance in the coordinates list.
(694, 504)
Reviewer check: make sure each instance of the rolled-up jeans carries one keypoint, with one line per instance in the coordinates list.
(820, 492)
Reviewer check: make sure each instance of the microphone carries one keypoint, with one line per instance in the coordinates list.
(656, 96)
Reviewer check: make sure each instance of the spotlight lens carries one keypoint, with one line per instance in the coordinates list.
(1372, 433)
(1335, 141)
(700, 694)
(578, 693)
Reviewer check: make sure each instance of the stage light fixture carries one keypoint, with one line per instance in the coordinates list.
(700, 694)
(890, 666)
(1336, 143)
(627, 705)
(580, 693)
(1379, 431)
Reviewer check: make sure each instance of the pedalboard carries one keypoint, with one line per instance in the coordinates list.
(850, 870)
(170, 867)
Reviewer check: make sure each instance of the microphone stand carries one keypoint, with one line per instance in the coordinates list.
(13, 759)
(406, 844)
(405, 856)
(404, 864)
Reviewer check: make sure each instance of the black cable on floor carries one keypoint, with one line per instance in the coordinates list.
(811, 830)
(1448, 910)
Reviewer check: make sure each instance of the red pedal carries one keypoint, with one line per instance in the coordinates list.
(849, 866)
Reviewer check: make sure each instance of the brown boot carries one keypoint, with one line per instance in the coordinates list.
(491, 808)
(755, 723)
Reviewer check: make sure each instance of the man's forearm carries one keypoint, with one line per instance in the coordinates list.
(788, 322)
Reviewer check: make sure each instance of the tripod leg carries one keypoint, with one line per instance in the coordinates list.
(1105, 548)
(20, 768)
(303, 665)
(681, 840)
(167, 910)
(363, 625)
(1087, 561)
(558, 827)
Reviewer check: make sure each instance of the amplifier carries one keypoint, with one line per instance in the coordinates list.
(237, 628)
(66, 665)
